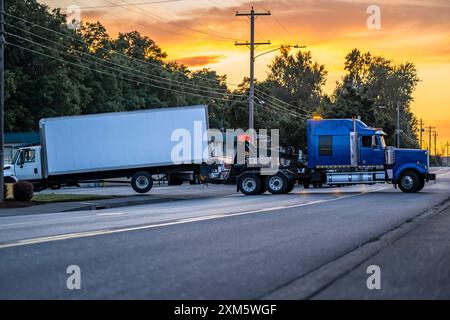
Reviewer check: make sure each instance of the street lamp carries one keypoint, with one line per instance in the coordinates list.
(281, 47)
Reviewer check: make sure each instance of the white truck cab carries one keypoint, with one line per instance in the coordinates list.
(26, 165)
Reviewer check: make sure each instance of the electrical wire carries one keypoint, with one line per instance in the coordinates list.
(113, 75)
(109, 51)
(147, 75)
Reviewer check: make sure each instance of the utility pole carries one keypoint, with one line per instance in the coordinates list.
(253, 15)
(430, 132)
(421, 133)
(398, 124)
(448, 159)
(435, 143)
(2, 97)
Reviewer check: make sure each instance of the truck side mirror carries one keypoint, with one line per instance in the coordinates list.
(374, 142)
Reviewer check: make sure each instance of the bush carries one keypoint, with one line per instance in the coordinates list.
(23, 191)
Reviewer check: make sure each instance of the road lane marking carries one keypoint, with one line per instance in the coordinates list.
(86, 234)
(110, 214)
(175, 210)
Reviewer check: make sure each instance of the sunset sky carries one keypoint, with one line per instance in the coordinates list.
(201, 33)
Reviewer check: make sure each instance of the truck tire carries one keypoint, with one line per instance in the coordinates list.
(422, 184)
(410, 182)
(250, 184)
(142, 182)
(277, 184)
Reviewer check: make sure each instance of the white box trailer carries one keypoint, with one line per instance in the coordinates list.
(135, 144)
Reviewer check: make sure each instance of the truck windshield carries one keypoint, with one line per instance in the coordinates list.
(16, 155)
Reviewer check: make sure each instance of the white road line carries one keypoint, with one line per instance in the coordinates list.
(110, 214)
(166, 224)
(145, 211)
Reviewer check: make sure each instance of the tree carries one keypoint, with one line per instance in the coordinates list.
(372, 82)
(298, 82)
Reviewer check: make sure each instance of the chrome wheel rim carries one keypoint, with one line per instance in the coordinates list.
(407, 182)
(249, 184)
(275, 183)
(142, 182)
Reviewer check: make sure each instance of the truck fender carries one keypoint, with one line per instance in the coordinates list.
(10, 179)
(409, 166)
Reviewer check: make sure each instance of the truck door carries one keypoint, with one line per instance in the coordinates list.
(28, 165)
(371, 152)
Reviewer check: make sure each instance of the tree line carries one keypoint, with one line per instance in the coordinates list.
(54, 71)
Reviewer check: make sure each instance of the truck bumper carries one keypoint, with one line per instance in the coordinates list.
(431, 177)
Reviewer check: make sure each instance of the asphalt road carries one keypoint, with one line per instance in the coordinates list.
(224, 247)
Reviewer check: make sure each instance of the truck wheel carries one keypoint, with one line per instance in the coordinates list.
(410, 182)
(422, 185)
(250, 184)
(142, 182)
(277, 184)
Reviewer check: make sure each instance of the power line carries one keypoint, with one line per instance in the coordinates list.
(273, 108)
(265, 105)
(108, 51)
(273, 98)
(121, 5)
(159, 82)
(113, 75)
(111, 50)
(281, 108)
(283, 28)
(148, 75)
(146, 25)
(274, 30)
(147, 13)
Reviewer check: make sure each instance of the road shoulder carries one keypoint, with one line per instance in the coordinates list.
(418, 249)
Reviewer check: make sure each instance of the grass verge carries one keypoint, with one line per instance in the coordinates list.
(52, 198)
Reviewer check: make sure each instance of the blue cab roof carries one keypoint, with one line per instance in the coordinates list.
(339, 126)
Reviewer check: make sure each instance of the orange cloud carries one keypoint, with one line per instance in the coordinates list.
(199, 61)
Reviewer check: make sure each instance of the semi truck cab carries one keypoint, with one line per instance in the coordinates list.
(347, 151)
(342, 152)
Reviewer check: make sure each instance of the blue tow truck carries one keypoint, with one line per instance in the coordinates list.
(340, 152)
